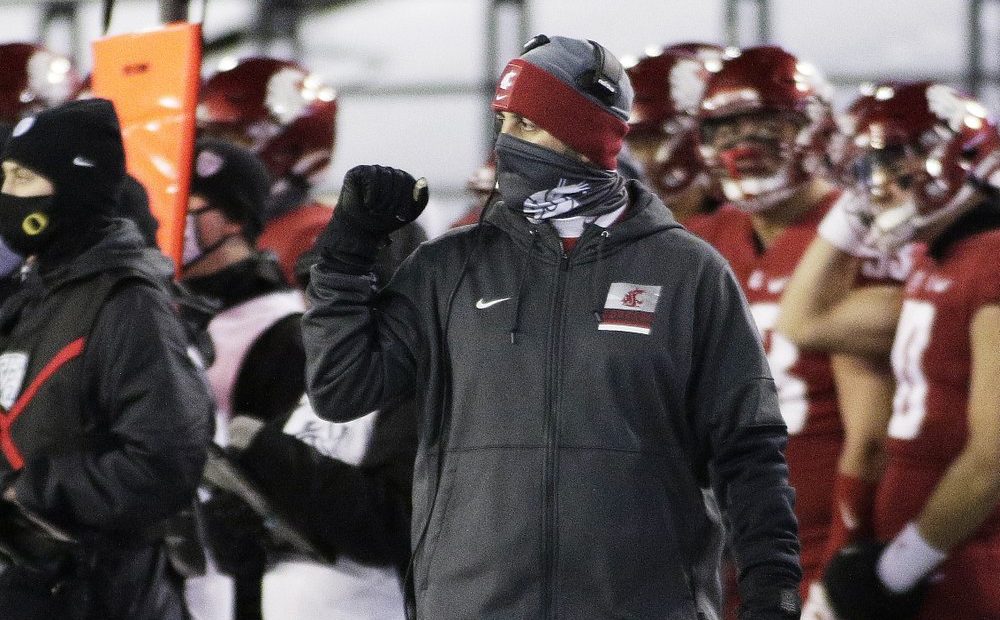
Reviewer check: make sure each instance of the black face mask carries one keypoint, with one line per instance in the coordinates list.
(544, 184)
(26, 222)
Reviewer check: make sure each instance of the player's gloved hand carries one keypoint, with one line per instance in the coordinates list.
(374, 201)
(845, 226)
(855, 591)
(817, 607)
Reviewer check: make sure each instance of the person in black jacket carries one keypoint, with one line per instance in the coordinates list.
(105, 418)
(344, 488)
(587, 372)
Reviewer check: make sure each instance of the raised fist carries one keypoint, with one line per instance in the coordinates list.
(374, 201)
(381, 199)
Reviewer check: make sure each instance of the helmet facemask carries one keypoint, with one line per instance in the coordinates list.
(759, 158)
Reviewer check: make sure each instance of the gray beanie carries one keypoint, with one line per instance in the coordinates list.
(573, 88)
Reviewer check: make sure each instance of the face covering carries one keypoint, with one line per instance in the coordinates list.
(544, 184)
(25, 223)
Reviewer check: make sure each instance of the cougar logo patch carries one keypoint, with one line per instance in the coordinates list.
(13, 365)
(629, 308)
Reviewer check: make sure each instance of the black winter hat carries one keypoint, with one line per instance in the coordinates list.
(78, 147)
(233, 179)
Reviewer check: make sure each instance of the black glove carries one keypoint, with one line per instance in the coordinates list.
(374, 201)
(855, 591)
(235, 533)
(32, 543)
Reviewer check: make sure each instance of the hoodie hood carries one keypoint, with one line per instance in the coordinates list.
(121, 248)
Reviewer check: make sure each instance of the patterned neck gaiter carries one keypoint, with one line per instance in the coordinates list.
(544, 184)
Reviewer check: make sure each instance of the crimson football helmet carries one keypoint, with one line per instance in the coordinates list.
(918, 153)
(33, 78)
(286, 114)
(762, 166)
(668, 83)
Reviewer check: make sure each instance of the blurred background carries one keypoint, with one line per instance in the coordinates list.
(414, 77)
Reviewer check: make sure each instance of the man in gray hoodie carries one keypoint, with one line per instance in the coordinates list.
(590, 381)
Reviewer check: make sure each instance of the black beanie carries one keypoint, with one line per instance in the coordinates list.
(233, 179)
(78, 147)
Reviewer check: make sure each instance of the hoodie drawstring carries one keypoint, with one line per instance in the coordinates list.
(520, 288)
(599, 274)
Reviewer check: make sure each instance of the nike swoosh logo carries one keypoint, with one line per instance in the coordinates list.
(483, 304)
(500, 97)
(80, 161)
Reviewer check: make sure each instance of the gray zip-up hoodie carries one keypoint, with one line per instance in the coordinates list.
(575, 411)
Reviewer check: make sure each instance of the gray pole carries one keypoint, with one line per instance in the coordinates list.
(173, 10)
(974, 67)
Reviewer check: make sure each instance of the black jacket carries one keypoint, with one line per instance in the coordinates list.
(147, 416)
(565, 454)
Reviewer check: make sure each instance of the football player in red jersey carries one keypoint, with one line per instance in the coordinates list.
(763, 122)
(861, 335)
(287, 116)
(669, 82)
(926, 164)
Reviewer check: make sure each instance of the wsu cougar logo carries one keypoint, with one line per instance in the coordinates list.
(631, 298)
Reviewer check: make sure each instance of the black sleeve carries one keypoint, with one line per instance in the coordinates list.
(735, 400)
(272, 378)
(401, 244)
(361, 512)
(154, 418)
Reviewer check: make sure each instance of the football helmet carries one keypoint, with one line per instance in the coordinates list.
(763, 125)
(33, 78)
(286, 114)
(669, 83)
(918, 152)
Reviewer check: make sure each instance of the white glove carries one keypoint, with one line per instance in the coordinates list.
(844, 229)
(908, 559)
(817, 607)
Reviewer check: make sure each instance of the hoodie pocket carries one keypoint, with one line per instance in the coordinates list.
(437, 518)
(483, 549)
(619, 549)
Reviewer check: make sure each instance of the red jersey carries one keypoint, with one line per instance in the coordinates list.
(931, 359)
(806, 391)
(294, 233)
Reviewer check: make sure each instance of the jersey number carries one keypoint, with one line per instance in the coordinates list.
(909, 406)
(781, 357)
